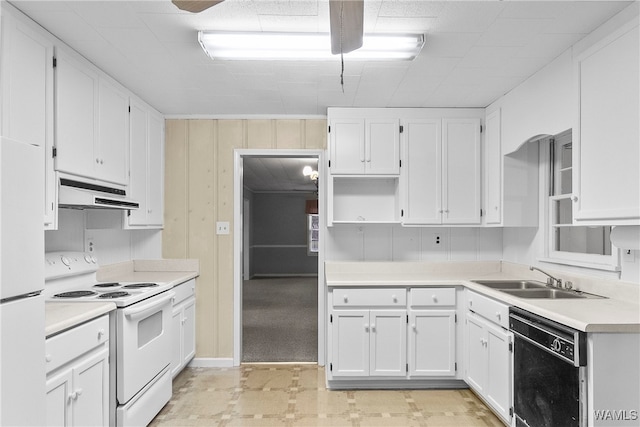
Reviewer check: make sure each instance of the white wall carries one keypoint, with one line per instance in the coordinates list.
(397, 243)
(111, 243)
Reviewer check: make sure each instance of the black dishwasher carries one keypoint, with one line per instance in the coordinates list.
(549, 372)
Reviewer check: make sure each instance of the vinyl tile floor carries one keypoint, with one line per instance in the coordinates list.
(295, 395)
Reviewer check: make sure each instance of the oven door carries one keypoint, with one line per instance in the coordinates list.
(144, 343)
(547, 391)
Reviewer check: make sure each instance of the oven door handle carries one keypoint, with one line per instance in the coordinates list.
(139, 311)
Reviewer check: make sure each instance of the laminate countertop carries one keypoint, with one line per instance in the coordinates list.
(60, 316)
(618, 312)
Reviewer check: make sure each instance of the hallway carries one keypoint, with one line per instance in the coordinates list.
(280, 320)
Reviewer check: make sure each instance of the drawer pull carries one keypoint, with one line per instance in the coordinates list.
(48, 358)
(346, 298)
(498, 315)
(435, 298)
(395, 298)
(100, 334)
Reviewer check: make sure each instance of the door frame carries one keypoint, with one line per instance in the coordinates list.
(238, 201)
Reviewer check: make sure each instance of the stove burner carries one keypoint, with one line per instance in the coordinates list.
(74, 294)
(109, 295)
(140, 285)
(106, 285)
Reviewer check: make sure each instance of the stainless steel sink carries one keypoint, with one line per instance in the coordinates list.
(545, 293)
(532, 289)
(511, 284)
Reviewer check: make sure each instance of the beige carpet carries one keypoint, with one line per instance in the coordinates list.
(280, 320)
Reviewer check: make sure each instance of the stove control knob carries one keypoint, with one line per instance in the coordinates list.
(556, 345)
(93, 259)
(66, 261)
(87, 258)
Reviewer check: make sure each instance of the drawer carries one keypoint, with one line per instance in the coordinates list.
(433, 297)
(68, 345)
(387, 297)
(184, 290)
(488, 308)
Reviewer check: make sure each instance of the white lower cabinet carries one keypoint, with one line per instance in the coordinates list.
(77, 384)
(488, 361)
(369, 343)
(392, 334)
(183, 326)
(432, 332)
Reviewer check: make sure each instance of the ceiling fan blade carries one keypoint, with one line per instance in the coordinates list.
(195, 6)
(346, 21)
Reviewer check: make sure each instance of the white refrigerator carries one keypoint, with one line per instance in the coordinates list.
(22, 327)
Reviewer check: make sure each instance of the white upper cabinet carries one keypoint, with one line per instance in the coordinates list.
(92, 134)
(27, 94)
(147, 161)
(113, 133)
(422, 171)
(493, 169)
(361, 145)
(461, 171)
(606, 176)
(441, 171)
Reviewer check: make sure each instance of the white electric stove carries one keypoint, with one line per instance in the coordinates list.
(140, 346)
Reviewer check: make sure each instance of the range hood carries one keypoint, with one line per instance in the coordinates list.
(83, 195)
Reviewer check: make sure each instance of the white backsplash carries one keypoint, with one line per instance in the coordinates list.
(397, 243)
(111, 244)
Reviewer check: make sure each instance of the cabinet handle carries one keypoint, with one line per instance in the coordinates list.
(100, 333)
(366, 327)
(498, 315)
(373, 328)
(470, 303)
(101, 161)
(395, 298)
(435, 298)
(78, 392)
(574, 198)
(48, 358)
(413, 326)
(446, 211)
(346, 298)
(97, 161)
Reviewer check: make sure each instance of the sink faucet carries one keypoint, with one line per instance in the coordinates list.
(551, 281)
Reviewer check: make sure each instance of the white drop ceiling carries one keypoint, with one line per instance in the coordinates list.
(475, 51)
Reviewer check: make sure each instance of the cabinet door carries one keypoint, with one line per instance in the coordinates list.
(432, 343)
(176, 341)
(76, 103)
(350, 343)
(388, 343)
(499, 382)
(27, 82)
(493, 169)
(476, 360)
(606, 177)
(347, 153)
(421, 172)
(138, 164)
(58, 399)
(90, 394)
(188, 331)
(155, 187)
(461, 181)
(113, 133)
(382, 146)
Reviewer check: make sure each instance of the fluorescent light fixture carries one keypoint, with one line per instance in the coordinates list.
(305, 46)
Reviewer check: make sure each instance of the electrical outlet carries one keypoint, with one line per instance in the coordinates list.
(89, 245)
(222, 227)
(628, 255)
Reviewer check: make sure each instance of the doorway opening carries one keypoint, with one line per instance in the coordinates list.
(277, 279)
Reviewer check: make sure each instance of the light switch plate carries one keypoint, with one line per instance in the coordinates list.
(222, 227)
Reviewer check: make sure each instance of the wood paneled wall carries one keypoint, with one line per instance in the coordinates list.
(199, 192)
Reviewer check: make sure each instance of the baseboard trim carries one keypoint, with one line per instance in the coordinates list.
(211, 362)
